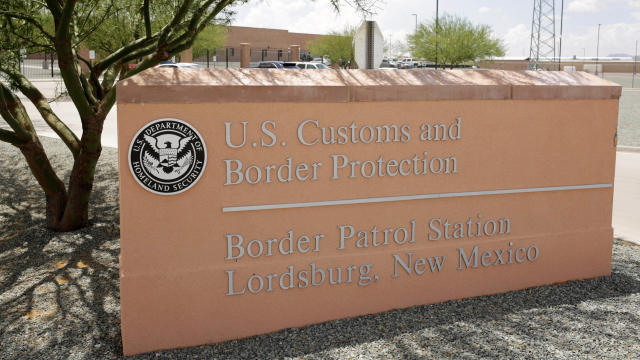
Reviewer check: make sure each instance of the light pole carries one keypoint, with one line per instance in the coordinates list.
(584, 53)
(561, 18)
(416, 15)
(635, 60)
(437, 1)
(598, 49)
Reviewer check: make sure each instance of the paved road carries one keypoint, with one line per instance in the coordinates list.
(68, 113)
(626, 197)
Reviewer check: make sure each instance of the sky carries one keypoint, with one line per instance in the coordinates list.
(509, 19)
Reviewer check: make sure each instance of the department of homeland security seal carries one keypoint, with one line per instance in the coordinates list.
(167, 156)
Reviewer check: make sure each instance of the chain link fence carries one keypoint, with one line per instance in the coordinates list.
(219, 58)
(40, 66)
(258, 55)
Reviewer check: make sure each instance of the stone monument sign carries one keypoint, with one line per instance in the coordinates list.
(253, 200)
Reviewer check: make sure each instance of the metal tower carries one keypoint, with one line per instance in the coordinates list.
(543, 34)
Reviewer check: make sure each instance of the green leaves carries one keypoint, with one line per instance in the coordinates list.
(337, 45)
(213, 36)
(454, 41)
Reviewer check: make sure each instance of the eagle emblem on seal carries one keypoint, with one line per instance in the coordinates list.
(167, 155)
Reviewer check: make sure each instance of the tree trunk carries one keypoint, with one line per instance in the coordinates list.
(54, 190)
(67, 210)
(76, 212)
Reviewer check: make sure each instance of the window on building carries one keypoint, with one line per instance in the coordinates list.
(231, 52)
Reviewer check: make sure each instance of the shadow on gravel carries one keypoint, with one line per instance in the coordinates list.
(59, 299)
(59, 292)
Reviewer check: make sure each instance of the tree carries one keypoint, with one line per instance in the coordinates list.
(337, 45)
(210, 38)
(395, 48)
(455, 41)
(122, 31)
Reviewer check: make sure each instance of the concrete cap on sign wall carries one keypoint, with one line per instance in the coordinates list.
(169, 85)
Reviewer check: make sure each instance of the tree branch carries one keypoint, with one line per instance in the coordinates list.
(55, 8)
(87, 62)
(26, 39)
(177, 18)
(40, 102)
(122, 52)
(182, 42)
(67, 61)
(110, 96)
(195, 19)
(10, 137)
(13, 112)
(93, 79)
(140, 53)
(197, 24)
(88, 90)
(28, 19)
(147, 18)
(64, 20)
(109, 78)
(90, 12)
(87, 33)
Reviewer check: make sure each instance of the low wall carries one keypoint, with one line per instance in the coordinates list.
(253, 200)
(607, 66)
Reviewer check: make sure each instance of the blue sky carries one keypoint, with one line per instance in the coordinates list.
(510, 20)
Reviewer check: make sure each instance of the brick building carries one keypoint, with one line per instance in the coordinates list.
(260, 38)
(265, 44)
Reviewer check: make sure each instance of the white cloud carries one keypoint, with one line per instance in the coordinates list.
(517, 40)
(636, 15)
(296, 16)
(484, 10)
(585, 6)
(633, 3)
(614, 38)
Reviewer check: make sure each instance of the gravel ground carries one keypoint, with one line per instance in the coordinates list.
(624, 79)
(629, 118)
(59, 299)
(629, 111)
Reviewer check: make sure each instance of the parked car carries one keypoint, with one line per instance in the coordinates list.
(405, 65)
(324, 60)
(270, 65)
(408, 63)
(386, 64)
(304, 65)
(179, 65)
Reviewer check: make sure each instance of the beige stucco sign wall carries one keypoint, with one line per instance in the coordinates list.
(254, 200)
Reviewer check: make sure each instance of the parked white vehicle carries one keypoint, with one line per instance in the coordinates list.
(179, 65)
(324, 60)
(304, 65)
(410, 62)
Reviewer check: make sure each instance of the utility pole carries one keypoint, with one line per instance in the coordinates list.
(560, 47)
(437, 26)
(416, 31)
(598, 49)
(584, 53)
(542, 50)
(635, 60)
